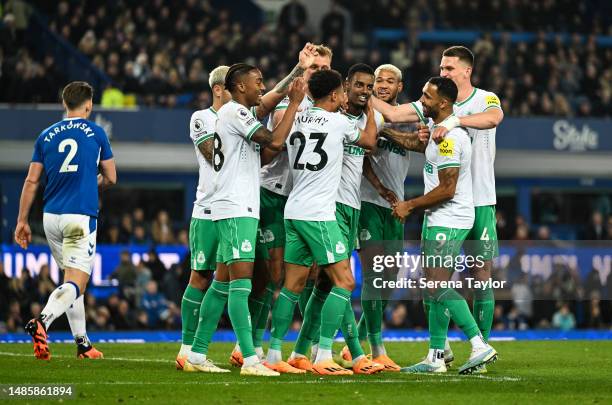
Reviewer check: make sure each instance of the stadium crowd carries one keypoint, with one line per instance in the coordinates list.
(159, 54)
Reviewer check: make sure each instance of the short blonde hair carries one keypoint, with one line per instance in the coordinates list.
(323, 50)
(391, 68)
(217, 76)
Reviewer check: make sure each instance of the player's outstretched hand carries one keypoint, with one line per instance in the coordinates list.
(297, 90)
(401, 210)
(23, 234)
(423, 132)
(307, 56)
(388, 195)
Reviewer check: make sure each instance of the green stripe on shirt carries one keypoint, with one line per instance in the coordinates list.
(204, 138)
(252, 131)
(447, 165)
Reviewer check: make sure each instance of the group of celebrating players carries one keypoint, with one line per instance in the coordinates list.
(285, 204)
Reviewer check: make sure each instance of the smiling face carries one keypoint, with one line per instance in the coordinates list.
(455, 69)
(387, 86)
(253, 87)
(359, 89)
(431, 100)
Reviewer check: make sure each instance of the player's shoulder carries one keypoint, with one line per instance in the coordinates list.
(459, 135)
(488, 98)
(203, 120)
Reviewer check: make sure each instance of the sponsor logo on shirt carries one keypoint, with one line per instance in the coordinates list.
(492, 100)
(201, 258)
(446, 147)
(340, 248)
(365, 235)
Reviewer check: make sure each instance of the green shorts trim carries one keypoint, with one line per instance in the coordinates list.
(484, 232)
(237, 239)
(441, 245)
(203, 244)
(348, 221)
(321, 241)
(272, 222)
(377, 223)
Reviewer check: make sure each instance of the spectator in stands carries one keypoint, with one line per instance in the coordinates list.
(4, 292)
(172, 285)
(399, 317)
(14, 320)
(333, 23)
(143, 276)
(522, 297)
(596, 229)
(543, 233)
(293, 17)
(155, 305)
(45, 284)
(125, 274)
(158, 270)
(122, 319)
(140, 236)
(564, 319)
(162, 228)
(126, 228)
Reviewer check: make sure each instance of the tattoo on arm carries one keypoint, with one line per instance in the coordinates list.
(282, 86)
(407, 140)
(206, 149)
(262, 136)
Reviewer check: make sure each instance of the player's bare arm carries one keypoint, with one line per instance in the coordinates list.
(368, 173)
(274, 96)
(408, 140)
(275, 139)
(23, 234)
(108, 174)
(445, 191)
(206, 149)
(399, 113)
(367, 137)
(488, 119)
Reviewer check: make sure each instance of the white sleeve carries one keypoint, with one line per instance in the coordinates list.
(448, 153)
(490, 101)
(243, 121)
(351, 132)
(200, 128)
(418, 107)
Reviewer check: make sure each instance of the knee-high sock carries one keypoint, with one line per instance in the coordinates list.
(349, 331)
(484, 308)
(458, 309)
(282, 316)
(76, 319)
(312, 322)
(331, 317)
(190, 313)
(262, 322)
(210, 312)
(238, 308)
(59, 301)
(305, 296)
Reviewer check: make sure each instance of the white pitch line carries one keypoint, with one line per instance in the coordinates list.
(438, 377)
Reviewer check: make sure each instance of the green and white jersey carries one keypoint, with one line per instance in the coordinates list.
(483, 144)
(454, 151)
(352, 164)
(236, 164)
(275, 176)
(202, 128)
(390, 163)
(316, 148)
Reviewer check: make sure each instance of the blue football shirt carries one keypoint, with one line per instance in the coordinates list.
(70, 152)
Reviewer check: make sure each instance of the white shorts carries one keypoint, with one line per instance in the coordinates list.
(72, 239)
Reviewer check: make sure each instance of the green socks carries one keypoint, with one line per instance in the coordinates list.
(238, 308)
(262, 321)
(438, 325)
(458, 309)
(349, 331)
(190, 313)
(282, 316)
(332, 314)
(362, 329)
(210, 312)
(372, 310)
(484, 308)
(305, 296)
(312, 321)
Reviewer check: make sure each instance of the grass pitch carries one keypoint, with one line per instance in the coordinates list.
(527, 372)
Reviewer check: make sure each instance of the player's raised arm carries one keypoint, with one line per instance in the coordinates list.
(23, 234)
(276, 139)
(408, 140)
(274, 96)
(367, 137)
(491, 117)
(399, 113)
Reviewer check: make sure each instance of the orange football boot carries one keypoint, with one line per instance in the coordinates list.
(236, 359)
(390, 365)
(284, 368)
(367, 366)
(37, 330)
(301, 363)
(329, 367)
(89, 353)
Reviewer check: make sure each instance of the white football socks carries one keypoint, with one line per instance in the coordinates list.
(59, 301)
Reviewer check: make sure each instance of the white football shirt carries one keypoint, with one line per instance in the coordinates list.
(202, 128)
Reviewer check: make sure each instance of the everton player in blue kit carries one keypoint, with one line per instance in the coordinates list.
(76, 158)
